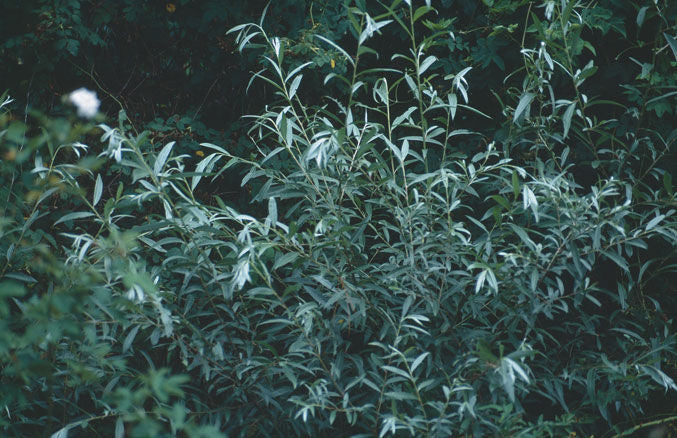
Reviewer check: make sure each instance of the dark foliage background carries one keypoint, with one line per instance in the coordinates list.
(457, 219)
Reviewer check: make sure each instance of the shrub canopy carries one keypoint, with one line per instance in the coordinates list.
(439, 219)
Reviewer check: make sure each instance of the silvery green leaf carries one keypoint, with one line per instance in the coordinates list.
(63, 432)
(430, 60)
(296, 70)
(98, 190)
(654, 222)
(405, 150)
(402, 117)
(285, 260)
(672, 42)
(162, 158)
(418, 361)
(566, 119)
(294, 86)
(523, 106)
(130, 338)
(119, 428)
(337, 47)
(74, 216)
(640, 16)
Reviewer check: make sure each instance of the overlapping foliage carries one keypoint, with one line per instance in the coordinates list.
(403, 270)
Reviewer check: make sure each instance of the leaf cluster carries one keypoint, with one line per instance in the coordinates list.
(403, 270)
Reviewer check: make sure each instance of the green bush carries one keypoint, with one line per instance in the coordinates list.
(402, 269)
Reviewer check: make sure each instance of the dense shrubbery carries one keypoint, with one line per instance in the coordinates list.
(417, 259)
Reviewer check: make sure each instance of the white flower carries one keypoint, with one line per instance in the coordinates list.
(85, 101)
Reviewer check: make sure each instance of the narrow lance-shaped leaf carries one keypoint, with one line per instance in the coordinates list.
(418, 361)
(162, 158)
(380, 91)
(294, 86)
(296, 70)
(422, 10)
(73, 216)
(672, 42)
(515, 184)
(337, 47)
(119, 428)
(667, 183)
(208, 161)
(405, 150)
(568, 114)
(641, 15)
(655, 221)
(523, 105)
(130, 338)
(425, 65)
(529, 200)
(271, 220)
(285, 259)
(402, 117)
(98, 190)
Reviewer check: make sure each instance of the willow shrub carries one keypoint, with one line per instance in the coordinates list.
(392, 282)
(420, 287)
